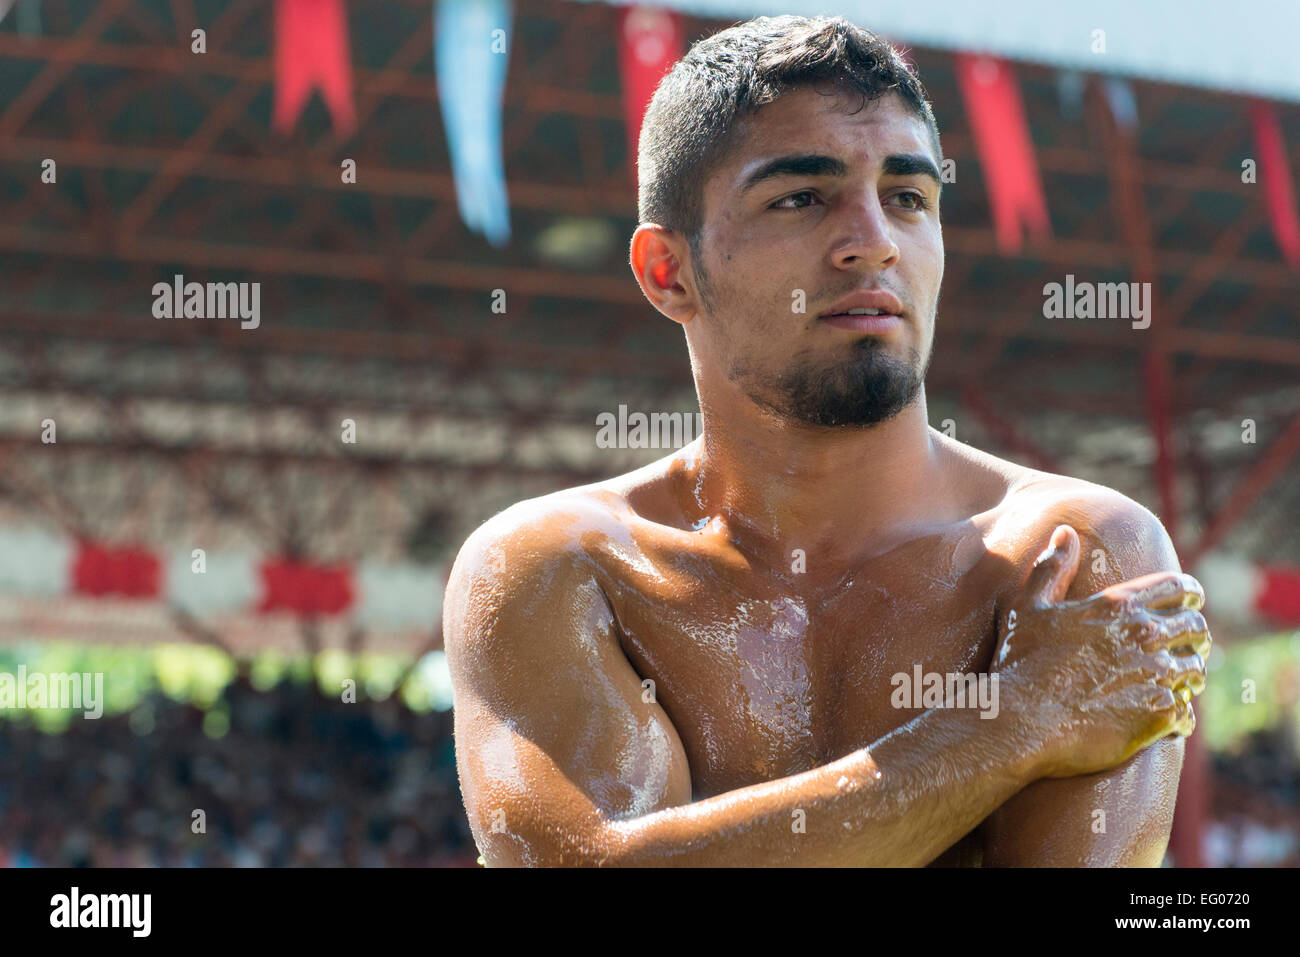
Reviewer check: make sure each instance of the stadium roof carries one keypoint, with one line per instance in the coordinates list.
(376, 297)
(1244, 47)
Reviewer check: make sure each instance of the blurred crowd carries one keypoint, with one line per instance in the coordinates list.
(1255, 815)
(298, 779)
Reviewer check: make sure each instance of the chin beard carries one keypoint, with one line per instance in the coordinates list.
(871, 387)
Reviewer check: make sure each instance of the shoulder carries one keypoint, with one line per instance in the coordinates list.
(565, 533)
(539, 531)
(1120, 538)
(529, 563)
(1094, 511)
(1030, 504)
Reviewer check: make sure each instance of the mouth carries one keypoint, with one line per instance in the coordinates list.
(875, 312)
(878, 324)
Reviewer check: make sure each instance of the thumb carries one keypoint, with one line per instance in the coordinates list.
(1055, 568)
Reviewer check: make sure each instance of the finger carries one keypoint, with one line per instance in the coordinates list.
(1186, 722)
(1187, 629)
(1184, 675)
(1055, 568)
(1163, 704)
(1166, 591)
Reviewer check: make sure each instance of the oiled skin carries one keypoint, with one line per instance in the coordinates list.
(768, 736)
(761, 673)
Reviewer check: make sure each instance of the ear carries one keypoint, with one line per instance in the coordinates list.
(659, 260)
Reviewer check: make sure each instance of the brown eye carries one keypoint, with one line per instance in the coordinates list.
(920, 201)
(781, 203)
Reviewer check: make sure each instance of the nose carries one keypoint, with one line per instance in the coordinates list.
(867, 236)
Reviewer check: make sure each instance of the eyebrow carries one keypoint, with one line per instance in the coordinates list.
(812, 164)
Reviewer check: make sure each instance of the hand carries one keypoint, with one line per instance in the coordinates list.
(1104, 677)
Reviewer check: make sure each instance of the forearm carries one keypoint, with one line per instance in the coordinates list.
(898, 803)
(1116, 818)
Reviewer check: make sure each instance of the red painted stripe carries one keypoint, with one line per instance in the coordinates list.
(129, 572)
(1279, 600)
(306, 589)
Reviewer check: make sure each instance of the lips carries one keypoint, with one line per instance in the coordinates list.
(870, 325)
(886, 302)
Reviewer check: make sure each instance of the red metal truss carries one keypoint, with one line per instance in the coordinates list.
(167, 164)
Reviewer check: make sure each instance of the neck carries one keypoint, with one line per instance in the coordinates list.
(775, 486)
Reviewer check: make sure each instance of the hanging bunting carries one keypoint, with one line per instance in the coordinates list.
(1275, 176)
(997, 118)
(1070, 86)
(650, 41)
(311, 50)
(471, 55)
(1122, 103)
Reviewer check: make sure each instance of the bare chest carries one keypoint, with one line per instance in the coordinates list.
(763, 679)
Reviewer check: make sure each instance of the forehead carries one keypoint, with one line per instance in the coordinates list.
(829, 122)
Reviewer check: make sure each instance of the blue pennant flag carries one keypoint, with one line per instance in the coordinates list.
(471, 53)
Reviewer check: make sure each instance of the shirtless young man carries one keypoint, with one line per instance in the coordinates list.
(695, 663)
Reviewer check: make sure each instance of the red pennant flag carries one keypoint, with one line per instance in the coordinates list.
(997, 118)
(311, 49)
(1275, 176)
(650, 42)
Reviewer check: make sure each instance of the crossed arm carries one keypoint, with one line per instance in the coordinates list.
(1120, 817)
(562, 761)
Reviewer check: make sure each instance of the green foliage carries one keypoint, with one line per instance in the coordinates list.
(1272, 663)
(198, 675)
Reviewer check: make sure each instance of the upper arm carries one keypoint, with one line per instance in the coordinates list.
(1119, 817)
(554, 741)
